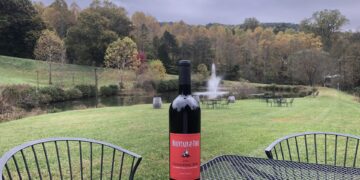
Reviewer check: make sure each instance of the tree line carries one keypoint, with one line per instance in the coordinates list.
(103, 35)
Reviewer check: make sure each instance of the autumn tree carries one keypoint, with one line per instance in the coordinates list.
(49, 48)
(20, 27)
(310, 66)
(87, 41)
(145, 29)
(225, 46)
(286, 44)
(118, 21)
(325, 23)
(97, 26)
(57, 16)
(250, 23)
(345, 51)
(39, 7)
(122, 54)
(75, 10)
(202, 52)
(181, 31)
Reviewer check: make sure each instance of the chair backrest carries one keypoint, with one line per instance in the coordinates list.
(317, 147)
(68, 158)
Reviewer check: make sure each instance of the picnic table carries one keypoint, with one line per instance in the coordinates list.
(215, 103)
(240, 167)
(280, 101)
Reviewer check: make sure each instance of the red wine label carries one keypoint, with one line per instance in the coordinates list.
(184, 156)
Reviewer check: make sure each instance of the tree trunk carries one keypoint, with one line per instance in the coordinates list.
(96, 88)
(50, 80)
(37, 81)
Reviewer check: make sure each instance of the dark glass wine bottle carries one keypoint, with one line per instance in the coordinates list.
(184, 125)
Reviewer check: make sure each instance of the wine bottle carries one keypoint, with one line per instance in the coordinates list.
(184, 127)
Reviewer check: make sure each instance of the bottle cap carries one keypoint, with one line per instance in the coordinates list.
(184, 63)
(185, 72)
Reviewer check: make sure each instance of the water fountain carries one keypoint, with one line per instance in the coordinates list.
(213, 83)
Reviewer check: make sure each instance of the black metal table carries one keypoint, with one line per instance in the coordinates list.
(239, 167)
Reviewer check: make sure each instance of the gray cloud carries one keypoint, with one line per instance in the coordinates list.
(235, 11)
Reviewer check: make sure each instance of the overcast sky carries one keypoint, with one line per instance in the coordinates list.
(234, 11)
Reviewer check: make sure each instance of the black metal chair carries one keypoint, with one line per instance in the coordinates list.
(225, 103)
(290, 102)
(269, 101)
(317, 147)
(68, 158)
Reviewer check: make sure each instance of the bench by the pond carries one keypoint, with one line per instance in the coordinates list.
(68, 158)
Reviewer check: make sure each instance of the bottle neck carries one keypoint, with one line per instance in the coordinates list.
(184, 77)
(185, 89)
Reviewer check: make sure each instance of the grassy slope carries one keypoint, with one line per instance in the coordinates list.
(246, 128)
(23, 71)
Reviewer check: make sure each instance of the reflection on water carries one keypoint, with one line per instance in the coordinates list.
(106, 102)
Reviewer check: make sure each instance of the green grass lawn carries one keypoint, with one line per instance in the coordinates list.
(24, 71)
(246, 127)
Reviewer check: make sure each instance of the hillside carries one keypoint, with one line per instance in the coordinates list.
(24, 71)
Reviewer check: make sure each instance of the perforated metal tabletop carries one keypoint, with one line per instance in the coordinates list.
(240, 167)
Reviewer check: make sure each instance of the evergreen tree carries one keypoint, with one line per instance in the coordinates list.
(168, 51)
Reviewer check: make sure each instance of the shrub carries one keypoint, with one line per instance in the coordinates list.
(271, 87)
(44, 98)
(167, 86)
(203, 71)
(287, 88)
(20, 95)
(147, 85)
(314, 89)
(4, 107)
(146, 82)
(244, 91)
(110, 90)
(157, 68)
(56, 93)
(87, 90)
(196, 84)
(54, 110)
(295, 89)
(73, 93)
(303, 93)
(105, 91)
(356, 91)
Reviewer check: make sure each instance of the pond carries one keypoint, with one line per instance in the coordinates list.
(106, 102)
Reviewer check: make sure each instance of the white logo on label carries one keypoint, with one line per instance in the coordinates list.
(185, 144)
(186, 153)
